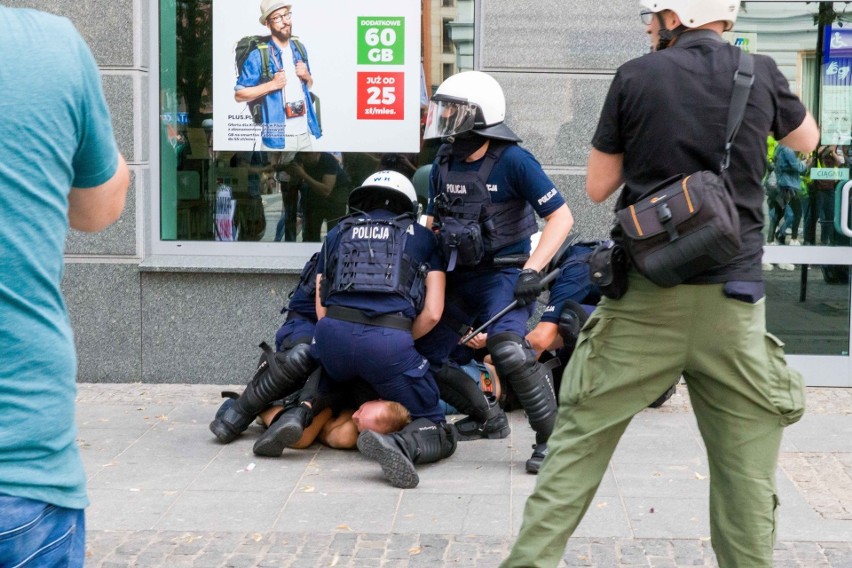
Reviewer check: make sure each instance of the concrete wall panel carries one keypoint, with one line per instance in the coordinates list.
(106, 26)
(532, 35)
(103, 302)
(205, 328)
(556, 124)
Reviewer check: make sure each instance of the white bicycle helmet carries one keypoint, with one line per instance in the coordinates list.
(386, 189)
(696, 13)
(468, 101)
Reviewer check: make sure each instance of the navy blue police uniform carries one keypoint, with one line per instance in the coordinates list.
(499, 194)
(374, 268)
(301, 310)
(573, 284)
(484, 211)
(279, 373)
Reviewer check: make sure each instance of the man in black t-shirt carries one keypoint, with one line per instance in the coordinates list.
(665, 115)
(324, 188)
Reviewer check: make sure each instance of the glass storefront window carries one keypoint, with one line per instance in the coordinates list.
(213, 195)
(812, 44)
(807, 305)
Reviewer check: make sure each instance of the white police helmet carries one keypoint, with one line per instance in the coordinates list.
(696, 13)
(386, 189)
(465, 102)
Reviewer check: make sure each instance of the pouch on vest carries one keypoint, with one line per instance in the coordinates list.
(461, 242)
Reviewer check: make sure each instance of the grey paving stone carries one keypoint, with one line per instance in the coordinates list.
(164, 494)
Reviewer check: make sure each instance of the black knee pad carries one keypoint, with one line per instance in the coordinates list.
(459, 390)
(278, 375)
(571, 321)
(531, 381)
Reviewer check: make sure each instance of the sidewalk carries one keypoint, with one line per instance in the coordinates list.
(164, 493)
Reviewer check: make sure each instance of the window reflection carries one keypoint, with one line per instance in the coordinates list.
(256, 196)
(807, 307)
(807, 40)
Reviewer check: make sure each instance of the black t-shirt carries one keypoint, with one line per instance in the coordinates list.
(667, 112)
(327, 164)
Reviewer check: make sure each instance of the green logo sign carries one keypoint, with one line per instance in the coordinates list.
(381, 41)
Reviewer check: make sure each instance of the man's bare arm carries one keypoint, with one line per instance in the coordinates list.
(247, 94)
(804, 138)
(604, 174)
(433, 307)
(93, 209)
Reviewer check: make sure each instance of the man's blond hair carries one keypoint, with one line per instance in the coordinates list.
(396, 416)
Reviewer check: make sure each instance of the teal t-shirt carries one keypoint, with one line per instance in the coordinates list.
(55, 133)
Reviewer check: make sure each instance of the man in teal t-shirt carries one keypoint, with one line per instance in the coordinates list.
(60, 167)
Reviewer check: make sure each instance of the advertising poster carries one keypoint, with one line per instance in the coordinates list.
(836, 104)
(364, 67)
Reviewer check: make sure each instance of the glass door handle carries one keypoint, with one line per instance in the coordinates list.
(841, 204)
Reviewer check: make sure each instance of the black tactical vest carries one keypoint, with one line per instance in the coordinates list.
(371, 257)
(470, 225)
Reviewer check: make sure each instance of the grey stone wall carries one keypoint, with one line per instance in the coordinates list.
(554, 60)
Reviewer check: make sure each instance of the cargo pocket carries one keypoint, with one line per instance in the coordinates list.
(788, 387)
(584, 377)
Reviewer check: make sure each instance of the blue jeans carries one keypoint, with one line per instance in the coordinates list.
(39, 535)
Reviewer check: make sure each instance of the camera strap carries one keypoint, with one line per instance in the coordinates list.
(743, 80)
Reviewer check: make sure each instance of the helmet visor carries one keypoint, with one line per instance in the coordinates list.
(447, 117)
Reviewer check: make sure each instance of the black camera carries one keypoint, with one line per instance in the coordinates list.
(292, 110)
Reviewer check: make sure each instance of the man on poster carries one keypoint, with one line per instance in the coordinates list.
(277, 74)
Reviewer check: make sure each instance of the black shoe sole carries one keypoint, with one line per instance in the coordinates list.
(397, 468)
(279, 436)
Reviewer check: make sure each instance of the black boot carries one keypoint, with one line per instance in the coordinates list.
(494, 426)
(538, 455)
(485, 417)
(276, 376)
(284, 431)
(420, 442)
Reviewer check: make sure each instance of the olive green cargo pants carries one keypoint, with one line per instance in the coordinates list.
(629, 352)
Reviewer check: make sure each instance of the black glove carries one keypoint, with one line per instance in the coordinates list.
(528, 287)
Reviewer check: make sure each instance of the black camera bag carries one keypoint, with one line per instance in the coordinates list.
(687, 225)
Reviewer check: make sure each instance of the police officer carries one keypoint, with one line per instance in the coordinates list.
(278, 373)
(572, 296)
(484, 193)
(380, 285)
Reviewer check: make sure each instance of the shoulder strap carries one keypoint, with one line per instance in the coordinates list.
(495, 150)
(300, 48)
(263, 48)
(743, 80)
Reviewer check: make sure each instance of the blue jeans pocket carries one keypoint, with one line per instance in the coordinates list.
(37, 534)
